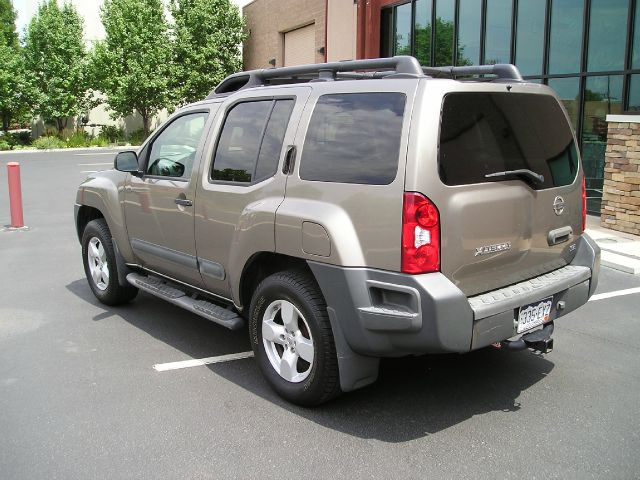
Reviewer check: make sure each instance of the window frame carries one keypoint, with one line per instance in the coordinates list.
(148, 146)
(273, 99)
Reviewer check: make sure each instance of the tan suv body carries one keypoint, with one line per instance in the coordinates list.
(352, 217)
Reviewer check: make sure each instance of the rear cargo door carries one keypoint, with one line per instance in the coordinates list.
(513, 202)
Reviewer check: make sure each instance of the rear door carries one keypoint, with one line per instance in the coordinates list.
(510, 198)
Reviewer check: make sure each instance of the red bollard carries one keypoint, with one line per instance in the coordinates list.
(15, 194)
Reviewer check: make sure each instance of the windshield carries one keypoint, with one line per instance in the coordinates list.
(487, 133)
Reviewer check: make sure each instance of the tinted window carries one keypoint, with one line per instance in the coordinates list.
(607, 35)
(566, 36)
(251, 141)
(354, 138)
(635, 59)
(484, 133)
(402, 21)
(445, 15)
(174, 149)
(422, 31)
(498, 35)
(568, 89)
(530, 36)
(469, 32)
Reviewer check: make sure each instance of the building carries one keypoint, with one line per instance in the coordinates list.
(587, 50)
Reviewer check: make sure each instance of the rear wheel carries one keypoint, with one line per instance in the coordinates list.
(292, 339)
(100, 267)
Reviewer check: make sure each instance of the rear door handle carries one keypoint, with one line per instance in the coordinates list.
(184, 202)
(559, 235)
(289, 160)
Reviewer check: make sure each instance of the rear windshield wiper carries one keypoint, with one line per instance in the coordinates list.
(522, 172)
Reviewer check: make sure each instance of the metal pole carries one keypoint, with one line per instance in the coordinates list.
(15, 194)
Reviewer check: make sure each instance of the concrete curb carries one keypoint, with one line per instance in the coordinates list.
(83, 149)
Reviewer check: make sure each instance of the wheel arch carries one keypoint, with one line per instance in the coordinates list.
(84, 216)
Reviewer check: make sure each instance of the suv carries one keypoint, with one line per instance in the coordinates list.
(351, 211)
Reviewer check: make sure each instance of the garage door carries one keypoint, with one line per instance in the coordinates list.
(300, 45)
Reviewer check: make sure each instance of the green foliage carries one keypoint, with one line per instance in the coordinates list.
(16, 90)
(48, 143)
(443, 44)
(208, 35)
(99, 141)
(4, 145)
(57, 62)
(77, 139)
(137, 137)
(112, 134)
(132, 65)
(8, 35)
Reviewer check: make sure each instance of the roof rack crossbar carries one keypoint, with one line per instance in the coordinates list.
(504, 71)
(401, 64)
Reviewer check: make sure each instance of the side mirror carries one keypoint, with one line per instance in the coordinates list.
(126, 162)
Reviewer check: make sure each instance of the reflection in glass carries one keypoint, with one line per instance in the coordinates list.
(634, 93)
(635, 49)
(445, 17)
(386, 33)
(403, 29)
(498, 32)
(469, 16)
(568, 89)
(566, 36)
(607, 35)
(530, 36)
(603, 96)
(422, 32)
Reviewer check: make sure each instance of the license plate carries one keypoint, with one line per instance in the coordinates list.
(534, 314)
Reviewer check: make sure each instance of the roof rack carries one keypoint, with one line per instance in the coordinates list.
(503, 71)
(398, 66)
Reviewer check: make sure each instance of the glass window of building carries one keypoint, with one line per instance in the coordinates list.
(469, 20)
(566, 36)
(568, 89)
(634, 94)
(444, 23)
(602, 96)
(422, 31)
(530, 36)
(402, 21)
(497, 47)
(635, 58)
(607, 35)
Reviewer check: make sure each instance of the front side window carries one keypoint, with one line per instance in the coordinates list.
(174, 149)
(251, 140)
(354, 138)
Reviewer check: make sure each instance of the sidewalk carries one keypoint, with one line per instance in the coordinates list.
(619, 250)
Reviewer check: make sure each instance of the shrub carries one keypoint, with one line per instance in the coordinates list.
(21, 138)
(78, 138)
(99, 141)
(4, 145)
(112, 133)
(137, 137)
(47, 143)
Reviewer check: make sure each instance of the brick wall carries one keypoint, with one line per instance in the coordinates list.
(621, 194)
(268, 20)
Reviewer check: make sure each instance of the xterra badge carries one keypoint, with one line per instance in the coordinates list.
(495, 248)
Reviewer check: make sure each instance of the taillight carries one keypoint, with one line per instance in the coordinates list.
(420, 234)
(584, 205)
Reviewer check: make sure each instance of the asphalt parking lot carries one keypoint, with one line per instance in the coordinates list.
(80, 398)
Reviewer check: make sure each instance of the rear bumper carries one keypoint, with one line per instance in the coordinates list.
(381, 314)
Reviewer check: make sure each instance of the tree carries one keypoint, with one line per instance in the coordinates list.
(56, 59)
(8, 35)
(132, 65)
(208, 35)
(16, 92)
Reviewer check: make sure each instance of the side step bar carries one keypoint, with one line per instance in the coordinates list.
(208, 310)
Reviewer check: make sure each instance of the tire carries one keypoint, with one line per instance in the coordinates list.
(99, 259)
(283, 348)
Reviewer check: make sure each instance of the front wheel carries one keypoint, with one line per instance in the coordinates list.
(292, 338)
(100, 267)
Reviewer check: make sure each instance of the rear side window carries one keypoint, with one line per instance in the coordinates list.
(354, 138)
(250, 143)
(485, 133)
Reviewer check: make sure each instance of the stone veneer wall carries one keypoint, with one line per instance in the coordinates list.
(621, 193)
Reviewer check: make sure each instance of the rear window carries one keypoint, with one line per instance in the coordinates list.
(485, 133)
(354, 138)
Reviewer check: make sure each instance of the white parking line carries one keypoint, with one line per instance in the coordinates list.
(617, 293)
(89, 171)
(163, 367)
(92, 154)
(88, 164)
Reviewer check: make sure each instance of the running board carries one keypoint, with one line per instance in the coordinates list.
(203, 308)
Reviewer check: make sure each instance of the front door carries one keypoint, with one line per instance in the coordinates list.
(159, 205)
